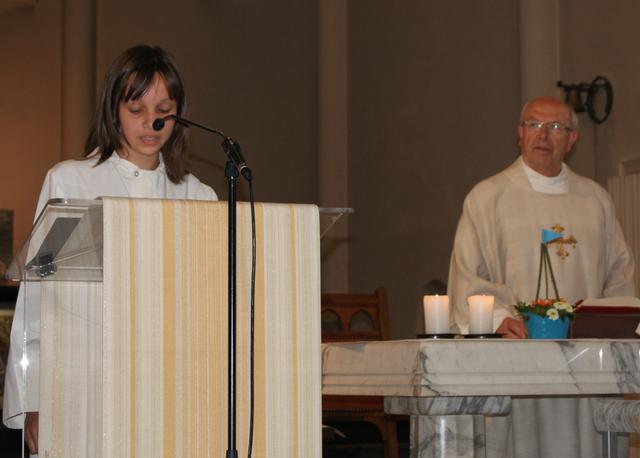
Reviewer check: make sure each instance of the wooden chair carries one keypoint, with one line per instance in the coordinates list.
(357, 317)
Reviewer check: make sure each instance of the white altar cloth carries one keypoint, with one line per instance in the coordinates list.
(491, 367)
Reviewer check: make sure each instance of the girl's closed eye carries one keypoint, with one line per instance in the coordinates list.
(134, 108)
(166, 109)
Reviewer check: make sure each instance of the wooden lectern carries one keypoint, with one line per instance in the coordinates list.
(133, 344)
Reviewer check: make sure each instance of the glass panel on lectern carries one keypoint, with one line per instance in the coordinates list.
(65, 244)
(329, 216)
(64, 248)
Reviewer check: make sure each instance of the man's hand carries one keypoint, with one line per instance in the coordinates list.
(31, 432)
(510, 328)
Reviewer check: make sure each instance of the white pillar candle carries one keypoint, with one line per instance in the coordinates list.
(436, 314)
(480, 314)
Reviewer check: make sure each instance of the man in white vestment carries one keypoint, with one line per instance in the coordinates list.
(497, 252)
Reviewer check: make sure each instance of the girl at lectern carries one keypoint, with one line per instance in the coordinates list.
(124, 157)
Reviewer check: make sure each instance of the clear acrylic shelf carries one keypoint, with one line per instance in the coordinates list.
(329, 216)
(65, 243)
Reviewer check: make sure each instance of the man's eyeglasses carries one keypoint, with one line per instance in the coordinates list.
(553, 127)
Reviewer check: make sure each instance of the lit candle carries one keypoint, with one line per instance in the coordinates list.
(436, 314)
(480, 314)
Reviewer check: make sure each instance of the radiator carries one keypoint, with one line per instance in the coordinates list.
(625, 192)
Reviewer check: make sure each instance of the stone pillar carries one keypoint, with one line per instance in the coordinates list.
(539, 48)
(448, 426)
(332, 139)
(78, 74)
(447, 436)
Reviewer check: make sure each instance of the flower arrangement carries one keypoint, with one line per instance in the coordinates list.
(547, 308)
(554, 308)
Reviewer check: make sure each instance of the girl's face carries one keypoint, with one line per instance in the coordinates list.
(141, 143)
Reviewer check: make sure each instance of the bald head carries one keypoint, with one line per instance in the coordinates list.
(575, 122)
(546, 133)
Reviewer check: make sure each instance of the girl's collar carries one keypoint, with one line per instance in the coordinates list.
(131, 168)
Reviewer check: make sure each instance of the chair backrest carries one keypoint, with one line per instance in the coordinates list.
(351, 317)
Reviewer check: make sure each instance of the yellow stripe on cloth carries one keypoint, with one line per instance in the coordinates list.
(185, 420)
(216, 329)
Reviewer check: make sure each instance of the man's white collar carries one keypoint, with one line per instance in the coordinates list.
(547, 185)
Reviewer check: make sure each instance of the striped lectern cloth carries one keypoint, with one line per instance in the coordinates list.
(136, 366)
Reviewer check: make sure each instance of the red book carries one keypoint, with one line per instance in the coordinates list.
(605, 322)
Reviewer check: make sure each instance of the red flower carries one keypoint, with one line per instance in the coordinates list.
(543, 302)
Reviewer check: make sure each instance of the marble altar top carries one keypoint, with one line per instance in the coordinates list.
(489, 367)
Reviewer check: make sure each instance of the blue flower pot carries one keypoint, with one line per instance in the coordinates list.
(545, 328)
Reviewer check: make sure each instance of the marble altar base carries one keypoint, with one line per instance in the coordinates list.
(451, 387)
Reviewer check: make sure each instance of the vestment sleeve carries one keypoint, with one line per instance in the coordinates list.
(473, 269)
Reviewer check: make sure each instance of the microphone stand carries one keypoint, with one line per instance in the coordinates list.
(234, 167)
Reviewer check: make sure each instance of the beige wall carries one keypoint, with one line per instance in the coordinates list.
(333, 141)
(433, 102)
(30, 104)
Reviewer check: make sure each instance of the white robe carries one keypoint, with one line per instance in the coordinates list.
(497, 244)
(81, 179)
(497, 252)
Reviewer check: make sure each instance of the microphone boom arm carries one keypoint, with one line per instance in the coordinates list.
(229, 145)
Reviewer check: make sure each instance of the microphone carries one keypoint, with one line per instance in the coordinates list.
(230, 146)
(158, 124)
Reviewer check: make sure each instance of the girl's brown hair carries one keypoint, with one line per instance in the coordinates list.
(129, 78)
